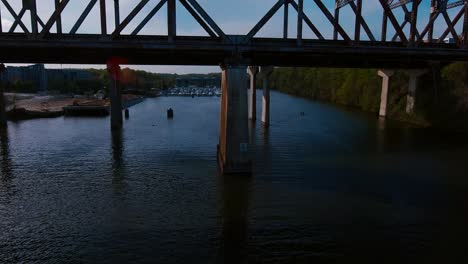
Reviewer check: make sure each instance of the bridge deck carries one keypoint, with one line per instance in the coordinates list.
(156, 50)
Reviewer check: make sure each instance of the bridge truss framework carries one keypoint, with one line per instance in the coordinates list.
(44, 39)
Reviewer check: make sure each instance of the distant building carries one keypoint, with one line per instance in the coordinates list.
(40, 76)
(199, 82)
(33, 73)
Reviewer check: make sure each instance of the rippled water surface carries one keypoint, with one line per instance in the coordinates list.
(333, 185)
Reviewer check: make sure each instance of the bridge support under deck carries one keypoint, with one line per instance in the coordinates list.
(233, 155)
(385, 74)
(266, 72)
(253, 71)
(115, 95)
(412, 87)
(3, 118)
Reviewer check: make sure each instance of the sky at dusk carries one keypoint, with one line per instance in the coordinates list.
(233, 17)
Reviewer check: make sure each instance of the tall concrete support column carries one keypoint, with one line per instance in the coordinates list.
(253, 71)
(115, 95)
(385, 74)
(412, 87)
(233, 156)
(3, 119)
(266, 72)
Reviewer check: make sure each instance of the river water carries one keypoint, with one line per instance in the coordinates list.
(330, 186)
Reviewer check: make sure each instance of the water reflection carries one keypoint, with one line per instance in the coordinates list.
(381, 134)
(252, 138)
(236, 196)
(117, 157)
(6, 167)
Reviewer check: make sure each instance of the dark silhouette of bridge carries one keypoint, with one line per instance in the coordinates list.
(46, 41)
(405, 41)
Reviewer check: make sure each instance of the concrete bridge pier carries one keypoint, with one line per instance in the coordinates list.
(253, 71)
(412, 87)
(266, 72)
(3, 118)
(115, 95)
(233, 155)
(385, 74)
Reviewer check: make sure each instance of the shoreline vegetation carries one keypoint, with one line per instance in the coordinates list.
(441, 99)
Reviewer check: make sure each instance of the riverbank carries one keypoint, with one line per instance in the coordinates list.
(440, 103)
(32, 106)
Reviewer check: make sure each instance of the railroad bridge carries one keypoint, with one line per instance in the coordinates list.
(414, 35)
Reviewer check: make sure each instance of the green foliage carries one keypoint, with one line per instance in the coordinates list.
(438, 98)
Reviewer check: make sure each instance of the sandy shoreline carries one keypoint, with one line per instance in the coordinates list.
(31, 106)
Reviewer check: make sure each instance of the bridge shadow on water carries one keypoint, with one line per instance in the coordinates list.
(118, 162)
(236, 193)
(5, 159)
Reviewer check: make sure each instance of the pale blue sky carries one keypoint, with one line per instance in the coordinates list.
(233, 16)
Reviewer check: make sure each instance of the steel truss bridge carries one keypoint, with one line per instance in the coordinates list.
(406, 39)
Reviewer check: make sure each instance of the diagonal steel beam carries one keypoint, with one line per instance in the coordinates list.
(451, 27)
(83, 16)
(16, 23)
(400, 3)
(332, 20)
(149, 17)
(388, 12)
(264, 20)
(363, 22)
(15, 16)
(407, 18)
(342, 3)
(207, 18)
(455, 4)
(428, 26)
(129, 18)
(198, 18)
(54, 18)
(308, 22)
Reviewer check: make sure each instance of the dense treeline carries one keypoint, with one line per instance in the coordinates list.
(438, 98)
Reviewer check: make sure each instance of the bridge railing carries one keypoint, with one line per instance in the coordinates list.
(409, 22)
